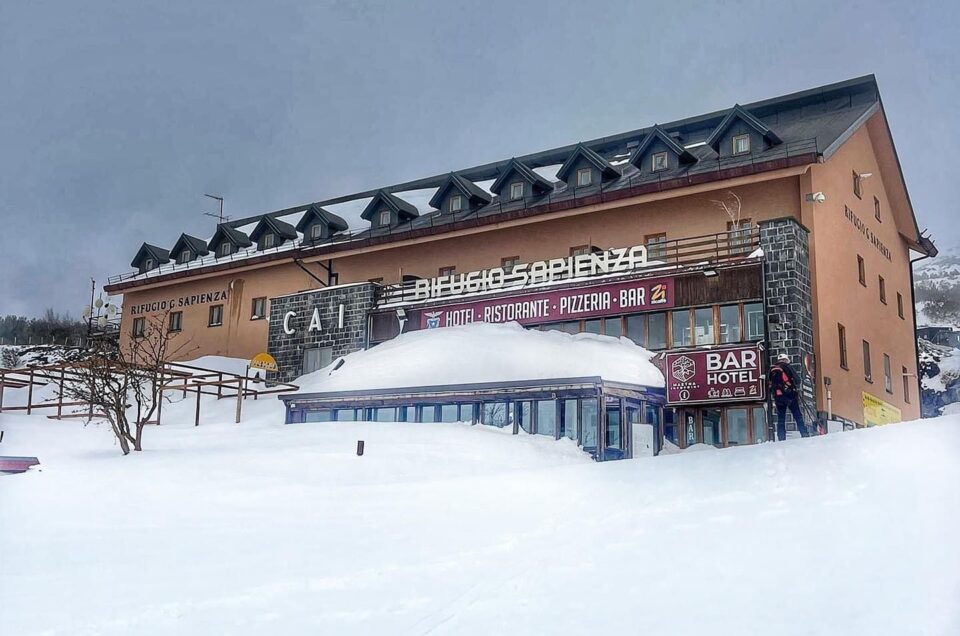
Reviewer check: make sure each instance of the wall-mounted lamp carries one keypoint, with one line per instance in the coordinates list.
(816, 197)
(710, 272)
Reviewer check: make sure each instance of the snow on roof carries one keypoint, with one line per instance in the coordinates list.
(350, 211)
(549, 172)
(420, 199)
(483, 352)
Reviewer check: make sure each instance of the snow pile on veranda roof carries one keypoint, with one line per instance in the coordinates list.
(483, 352)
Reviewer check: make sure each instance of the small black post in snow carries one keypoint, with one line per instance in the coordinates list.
(359, 448)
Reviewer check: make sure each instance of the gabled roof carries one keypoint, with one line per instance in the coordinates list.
(605, 167)
(197, 246)
(464, 186)
(735, 113)
(392, 201)
(658, 133)
(328, 218)
(528, 175)
(270, 224)
(226, 233)
(158, 254)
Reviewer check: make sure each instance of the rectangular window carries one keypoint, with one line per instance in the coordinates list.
(456, 203)
(856, 185)
(656, 246)
(759, 416)
(887, 374)
(224, 249)
(579, 250)
(316, 231)
(148, 264)
(656, 331)
(569, 419)
(906, 384)
(637, 329)
(547, 417)
(384, 217)
(516, 190)
(682, 337)
(738, 236)
(316, 358)
(428, 413)
(509, 262)
(658, 161)
(593, 326)
(842, 336)
(588, 422)
(584, 177)
(876, 209)
(495, 414)
(741, 144)
(268, 240)
(738, 429)
(900, 305)
(753, 320)
(882, 284)
(258, 309)
(861, 270)
(215, 317)
(139, 327)
(703, 326)
(176, 321)
(449, 413)
(613, 327)
(447, 271)
(710, 420)
(729, 324)
(867, 370)
(184, 257)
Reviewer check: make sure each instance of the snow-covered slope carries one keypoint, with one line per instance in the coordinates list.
(261, 528)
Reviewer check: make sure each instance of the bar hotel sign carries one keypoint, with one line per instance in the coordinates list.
(714, 375)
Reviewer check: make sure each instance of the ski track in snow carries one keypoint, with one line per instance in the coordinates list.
(451, 529)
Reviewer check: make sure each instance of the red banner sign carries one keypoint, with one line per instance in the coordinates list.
(714, 375)
(556, 305)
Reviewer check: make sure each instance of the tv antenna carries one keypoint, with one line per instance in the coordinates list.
(220, 218)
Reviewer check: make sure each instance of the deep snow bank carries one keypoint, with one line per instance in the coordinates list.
(483, 352)
(449, 529)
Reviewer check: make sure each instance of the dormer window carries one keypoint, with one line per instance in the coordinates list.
(584, 177)
(741, 144)
(224, 249)
(384, 217)
(316, 231)
(148, 264)
(184, 257)
(268, 241)
(456, 203)
(516, 190)
(659, 161)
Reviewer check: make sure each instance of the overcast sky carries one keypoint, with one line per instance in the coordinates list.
(116, 117)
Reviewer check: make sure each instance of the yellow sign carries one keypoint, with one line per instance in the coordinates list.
(263, 361)
(876, 412)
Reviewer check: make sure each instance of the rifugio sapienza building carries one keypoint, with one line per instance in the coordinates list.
(781, 226)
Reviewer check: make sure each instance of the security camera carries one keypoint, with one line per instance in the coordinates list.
(817, 197)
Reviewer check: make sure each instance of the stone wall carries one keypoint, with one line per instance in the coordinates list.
(789, 302)
(287, 348)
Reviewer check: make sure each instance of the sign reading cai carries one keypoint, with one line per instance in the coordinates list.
(556, 305)
(182, 301)
(876, 412)
(714, 375)
(622, 259)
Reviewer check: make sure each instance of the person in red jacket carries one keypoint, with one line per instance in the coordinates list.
(784, 388)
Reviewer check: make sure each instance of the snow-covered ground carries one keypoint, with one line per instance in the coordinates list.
(261, 528)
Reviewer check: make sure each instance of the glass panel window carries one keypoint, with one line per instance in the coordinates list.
(570, 327)
(547, 417)
(710, 418)
(184, 256)
(670, 429)
(388, 414)
(346, 415)
(592, 326)
(703, 323)
(384, 217)
(584, 177)
(588, 409)
(428, 413)
(883, 289)
(861, 271)
(741, 144)
(224, 249)
(659, 161)
(176, 320)
(614, 438)
(753, 319)
(148, 264)
(449, 413)
(467, 413)
(316, 230)
(729, 324)
(759, 424)
(525, 416)
(876, 209)
(322, 415)
(447, 271)
(842, 336)
(887, 374)
(867, 370)
(258, 309)
(509, 262)
(856, 185)
(906, 384)
(456, 203)
(636, 329)
(613, 327)
(656, 331)
(516, 190)
(268, 240)
(900, 305)
(738, 430)
(656, 246)
(139, 327)
(568, 425)
(316, 358)
(495, 414)
(215, 318)
(681, 328)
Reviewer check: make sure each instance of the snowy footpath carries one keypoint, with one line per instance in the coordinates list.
(261, 528)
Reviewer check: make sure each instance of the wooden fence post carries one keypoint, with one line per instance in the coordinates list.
(30, 393)
(196, 420)
(60, 394)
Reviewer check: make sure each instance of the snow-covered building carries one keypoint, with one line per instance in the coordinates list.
(779, 226)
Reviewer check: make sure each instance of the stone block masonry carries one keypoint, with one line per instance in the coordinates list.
(320, 330)
(789, 302)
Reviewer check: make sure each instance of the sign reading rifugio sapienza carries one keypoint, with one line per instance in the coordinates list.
(612, 261)
(715, 375)
(557, 305)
